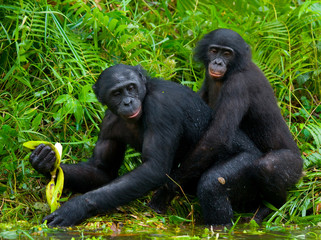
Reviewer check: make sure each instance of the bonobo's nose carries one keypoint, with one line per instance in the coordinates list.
(127, 101)
(218, 62)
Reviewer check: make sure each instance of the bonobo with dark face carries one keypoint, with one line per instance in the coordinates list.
(220, 58)
(243, 100)
(124, 93)
(245, 113)
(161, 119)
(223, 53)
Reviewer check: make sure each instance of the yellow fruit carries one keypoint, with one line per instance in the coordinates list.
(53, 190)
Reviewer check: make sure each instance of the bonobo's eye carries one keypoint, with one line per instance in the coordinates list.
(131, 87)
(227, 53)
(213, 50)
(116, 93)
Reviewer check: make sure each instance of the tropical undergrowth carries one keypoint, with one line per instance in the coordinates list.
(51, 52)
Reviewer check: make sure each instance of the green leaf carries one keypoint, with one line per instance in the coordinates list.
(177, 220)
(86, 95)
(120, 29)
(112, 24)
(78, 111)
(63, 98)
(37, 121)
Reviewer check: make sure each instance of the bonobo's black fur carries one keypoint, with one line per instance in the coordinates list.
(161, 119)
(242, 99)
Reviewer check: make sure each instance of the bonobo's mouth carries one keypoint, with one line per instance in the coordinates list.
(136, 113)
(215, 74)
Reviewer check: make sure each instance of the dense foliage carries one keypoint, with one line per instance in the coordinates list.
(51, 52)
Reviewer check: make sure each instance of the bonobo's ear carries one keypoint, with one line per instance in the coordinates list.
(141, 72)
(95, 88)
(248, 52)
(247, 47)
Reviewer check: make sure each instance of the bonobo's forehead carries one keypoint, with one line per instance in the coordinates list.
(117, 75)
(226, 37)
(124, 75)
(120, 79)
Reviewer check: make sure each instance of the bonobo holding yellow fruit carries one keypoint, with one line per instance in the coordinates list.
(161, 119)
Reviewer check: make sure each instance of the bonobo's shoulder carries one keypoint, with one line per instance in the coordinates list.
(173, 95)
(109, 116)
(172, 104)
(109, 121)
(157, 83)
(165, 88)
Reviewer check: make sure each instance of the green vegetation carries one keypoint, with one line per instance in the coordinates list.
(52, 51)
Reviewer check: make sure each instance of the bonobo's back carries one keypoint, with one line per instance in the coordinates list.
(179, 103)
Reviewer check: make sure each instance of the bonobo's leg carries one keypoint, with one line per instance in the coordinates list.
(228, 186)
(202, 158)
(276, 172)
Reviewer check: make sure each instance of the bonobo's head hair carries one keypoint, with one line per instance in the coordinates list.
(122, 88)
(225, 38)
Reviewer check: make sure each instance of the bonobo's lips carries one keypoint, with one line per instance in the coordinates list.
(215, 74)
(136, 113)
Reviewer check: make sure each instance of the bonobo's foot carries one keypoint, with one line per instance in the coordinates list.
(161, 199)
(262, 213)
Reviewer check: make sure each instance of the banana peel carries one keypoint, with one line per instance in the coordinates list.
(54, 188)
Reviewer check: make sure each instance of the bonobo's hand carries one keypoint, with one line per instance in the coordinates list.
(72, 212)
(43, 159)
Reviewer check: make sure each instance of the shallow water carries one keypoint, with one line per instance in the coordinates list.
(183, 232)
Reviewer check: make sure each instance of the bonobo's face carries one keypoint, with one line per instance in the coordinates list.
(122, 89)
(219, 58)
(223, 51)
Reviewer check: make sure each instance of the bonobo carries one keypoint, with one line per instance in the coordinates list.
(161, 119)
(242, 99)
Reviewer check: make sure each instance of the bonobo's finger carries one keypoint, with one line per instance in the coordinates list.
(55, 219)
(39, 154)
(47, 218)
(50, 160)
(43, 159)
(52, 220)
(46, 164)
(44, 152)
(39, 148)
(35, 153)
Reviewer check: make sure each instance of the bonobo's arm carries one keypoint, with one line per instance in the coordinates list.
(230, 108)
(220, 140)
(157, 162)
(100, 169)
(203, 92)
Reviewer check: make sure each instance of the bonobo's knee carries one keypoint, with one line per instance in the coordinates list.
(275, 167)
(216, 207)
(267, 165)
(210, 185)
